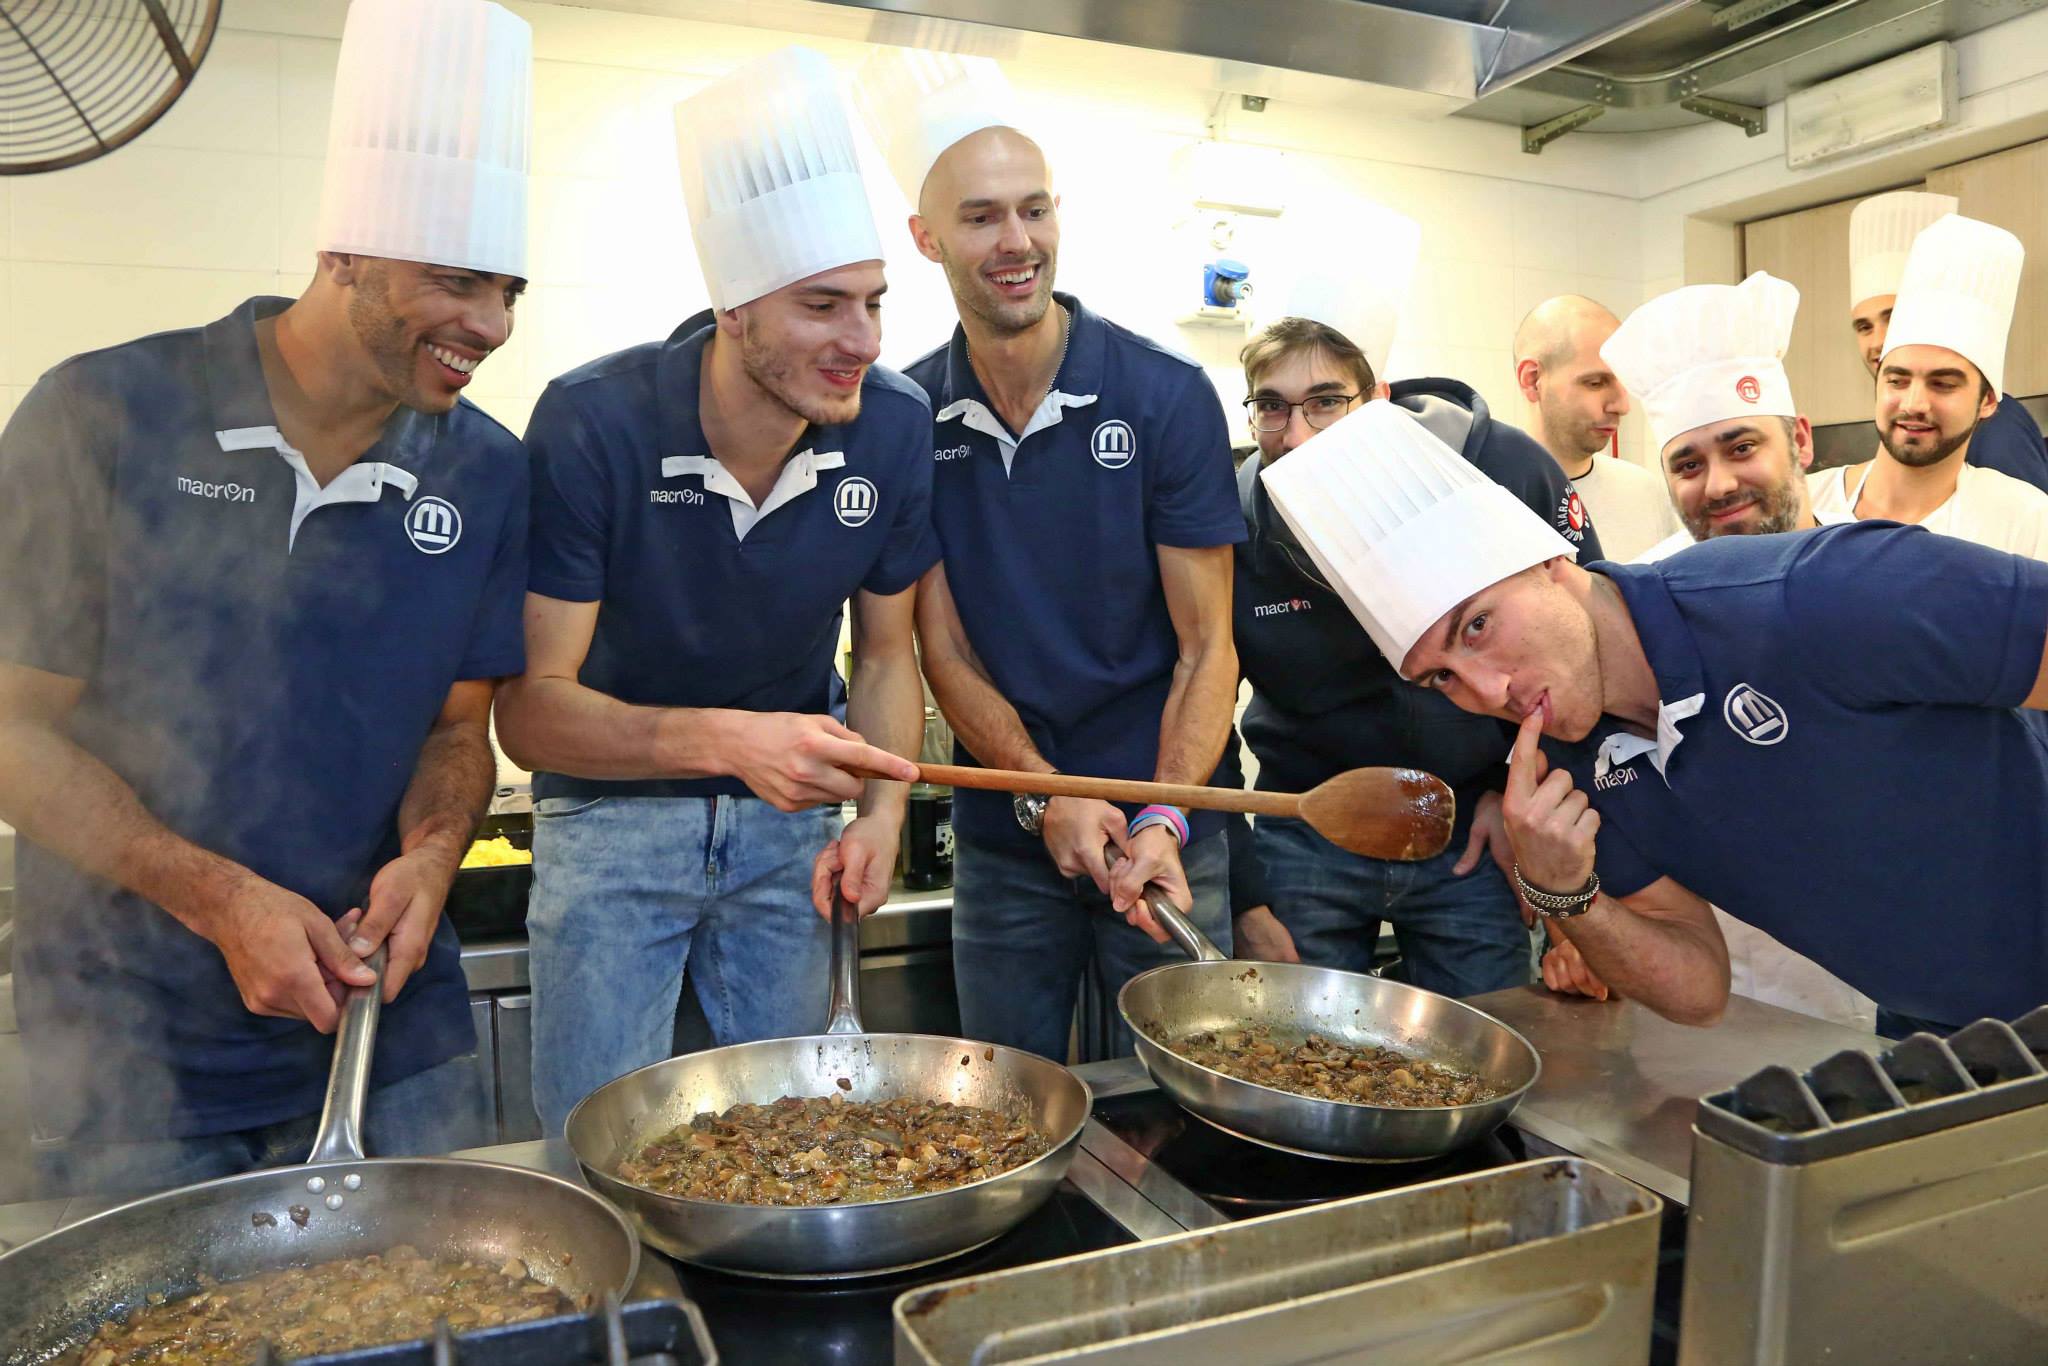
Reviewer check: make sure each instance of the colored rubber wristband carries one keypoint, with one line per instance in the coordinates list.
(1169, 816)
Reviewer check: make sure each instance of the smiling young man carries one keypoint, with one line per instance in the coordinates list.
(1696, 701)
(1937, 388)
(704, 508)
(1081, 620)
(1578, 405)
(1881, 233)
(261, 578)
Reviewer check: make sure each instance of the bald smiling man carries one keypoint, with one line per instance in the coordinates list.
(1577, 405)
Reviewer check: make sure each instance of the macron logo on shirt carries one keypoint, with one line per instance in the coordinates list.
(692, 497)
(225, 493)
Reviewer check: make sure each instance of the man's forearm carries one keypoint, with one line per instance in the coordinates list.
(63, 798)
(886, 706)
(450, 790)
(1675, 968)
(557, 725)
(1196, 721)
(982, 717)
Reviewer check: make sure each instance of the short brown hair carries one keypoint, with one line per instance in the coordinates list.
(1292, 336)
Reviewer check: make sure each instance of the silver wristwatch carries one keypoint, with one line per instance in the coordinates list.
(1030, 809)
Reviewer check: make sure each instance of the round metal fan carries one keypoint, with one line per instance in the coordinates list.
(80, 77)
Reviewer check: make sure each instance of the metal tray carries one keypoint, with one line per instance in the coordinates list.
(1551, 1261)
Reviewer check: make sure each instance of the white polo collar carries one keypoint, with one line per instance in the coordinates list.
(977, 416)
(799, 475)
(362, 482)
(1623, 745)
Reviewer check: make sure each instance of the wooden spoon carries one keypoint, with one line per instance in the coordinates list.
(1386, 813)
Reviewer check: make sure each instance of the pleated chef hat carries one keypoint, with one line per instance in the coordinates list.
(1881, 232)
(1958, 292)
(770, 178)
(427, 146)
(1351, 273)
(1399, 524)
(1706, 353)
(918, 103)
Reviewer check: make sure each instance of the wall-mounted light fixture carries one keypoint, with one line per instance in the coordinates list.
(1894, 99)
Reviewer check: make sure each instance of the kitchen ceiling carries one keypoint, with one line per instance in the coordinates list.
(1587, 66)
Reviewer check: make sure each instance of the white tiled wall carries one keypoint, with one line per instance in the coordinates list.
(218, 202)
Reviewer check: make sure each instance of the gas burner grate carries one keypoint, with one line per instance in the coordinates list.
(644, 1333)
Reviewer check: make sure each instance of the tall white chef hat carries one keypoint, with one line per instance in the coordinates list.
(919, 103)
(1400, 525)
(428, 142)
(1958, 292)
(770, 178)
(1706, 353)
(1352, 274)
(1881, 232)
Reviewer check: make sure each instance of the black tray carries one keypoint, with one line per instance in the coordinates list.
(490, 903)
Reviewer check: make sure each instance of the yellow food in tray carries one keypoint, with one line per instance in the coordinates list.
(495, 853)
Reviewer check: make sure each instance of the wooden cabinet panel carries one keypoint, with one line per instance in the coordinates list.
(1811, 249)
(2011, 190)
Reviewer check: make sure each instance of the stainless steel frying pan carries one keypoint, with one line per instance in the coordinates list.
(55, 1290)
(1215, 992)
(818, 1241)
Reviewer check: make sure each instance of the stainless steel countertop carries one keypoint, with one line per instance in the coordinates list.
(1620, 1083)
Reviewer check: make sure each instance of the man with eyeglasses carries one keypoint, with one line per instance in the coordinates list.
(1324, 700)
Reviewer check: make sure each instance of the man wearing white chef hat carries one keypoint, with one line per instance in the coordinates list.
(1937, 388)
(1707, 363)
(1739, 472)
(704, 507)
(1694, 702)
(1881, 233)
(1323, 699)
(263, 575)
(1081, 620)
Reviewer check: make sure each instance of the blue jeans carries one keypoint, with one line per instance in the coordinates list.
(1022, 936)
(628, 892)
(1458, 935)
(425, 1115)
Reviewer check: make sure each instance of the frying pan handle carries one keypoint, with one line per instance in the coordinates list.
(844, 1010)
(341, 1118)
(1181, 930)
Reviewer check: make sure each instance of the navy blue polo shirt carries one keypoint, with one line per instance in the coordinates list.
(1049, 538)
(262, 660)
(1840, 761)
(2009, 441)
(705, 600)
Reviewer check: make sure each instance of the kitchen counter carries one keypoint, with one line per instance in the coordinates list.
(1620, 1083)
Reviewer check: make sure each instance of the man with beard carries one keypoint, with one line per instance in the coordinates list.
(1081, 620)
(704, 507)
(1695, 702)
(1578, 405)
(261, 577)
(1944, 356)
(1740, 472)
(1881, 233)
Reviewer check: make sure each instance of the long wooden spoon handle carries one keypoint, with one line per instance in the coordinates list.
(1114, 789)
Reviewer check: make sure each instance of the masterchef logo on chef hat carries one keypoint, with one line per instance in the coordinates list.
(1881, 233)
(1958, 292)
(918, 103)
(427, 146)
(1400, 524)
(1707, 353)
(1351, 271)
(770, 178)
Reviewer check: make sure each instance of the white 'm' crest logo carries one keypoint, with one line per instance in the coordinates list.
(434, 525)
(854, 501)
(1114, 444)
(1754, 717)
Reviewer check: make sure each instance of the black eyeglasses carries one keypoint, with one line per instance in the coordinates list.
(1318, 410)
